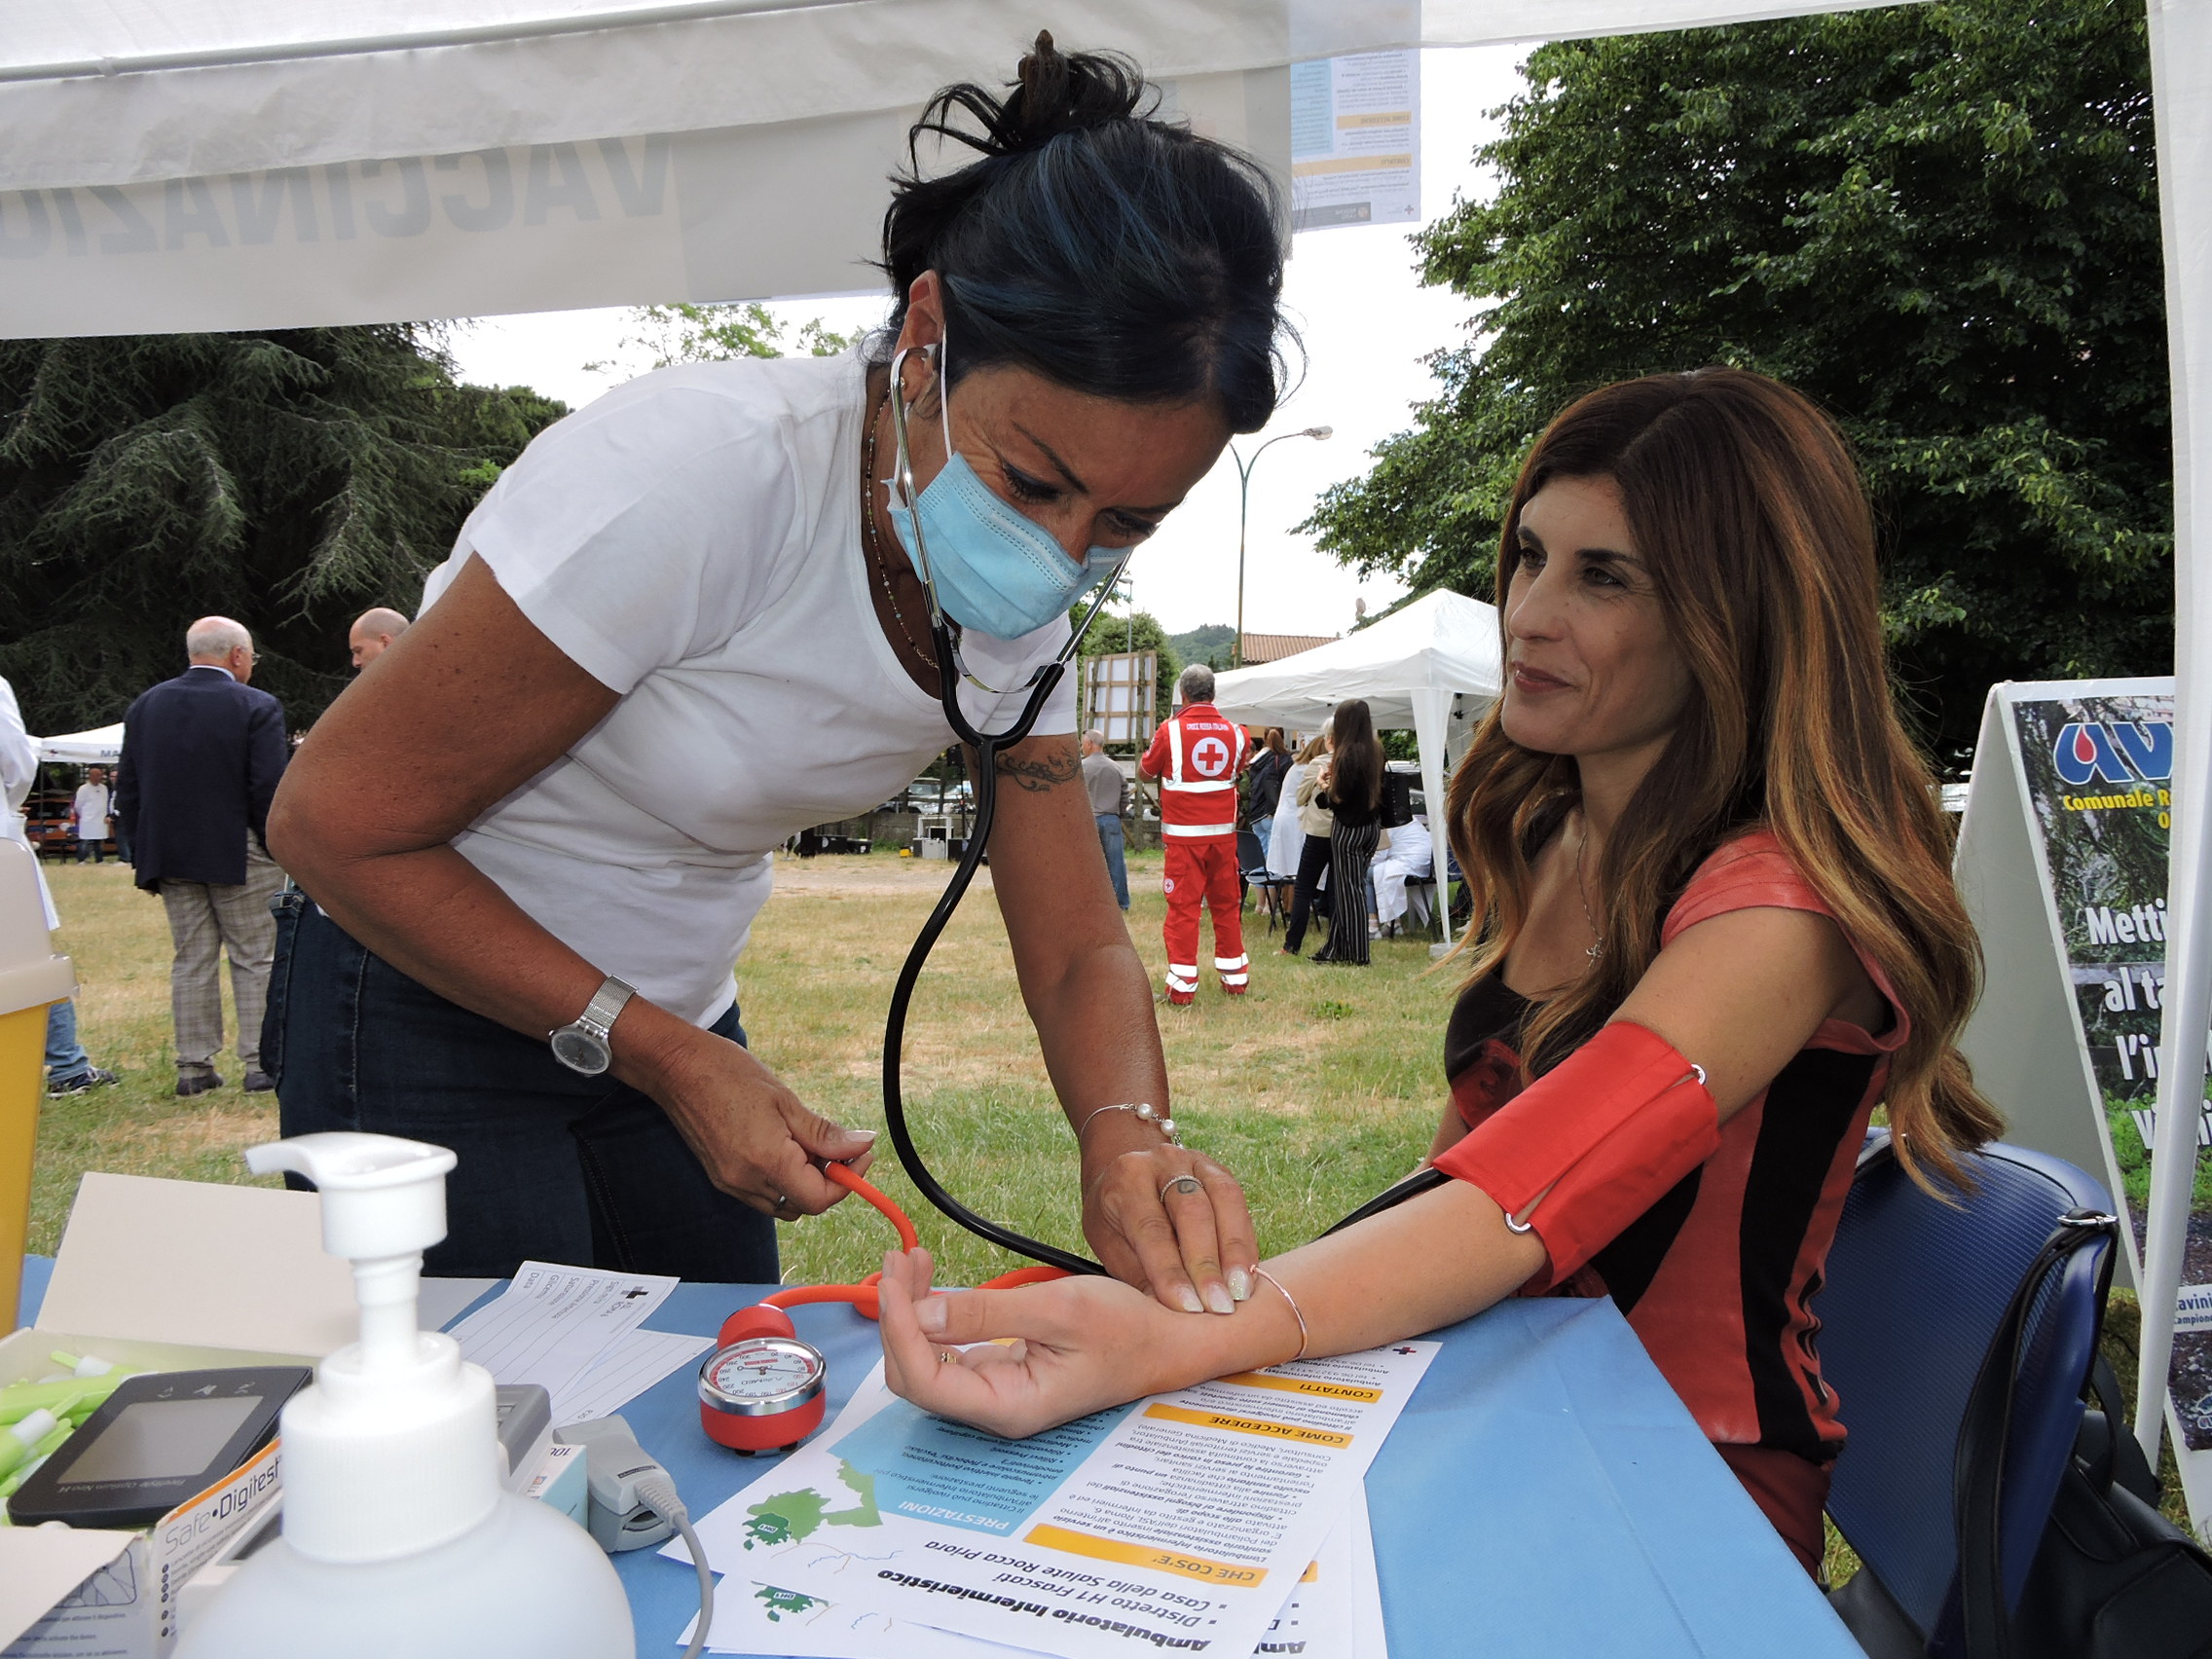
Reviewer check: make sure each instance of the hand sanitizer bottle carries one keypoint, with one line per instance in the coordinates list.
(398, 1537)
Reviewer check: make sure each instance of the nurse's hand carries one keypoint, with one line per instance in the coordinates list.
(757, 1140)
(1170, 1221)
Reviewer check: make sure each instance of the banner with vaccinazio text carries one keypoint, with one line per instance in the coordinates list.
(704, 214)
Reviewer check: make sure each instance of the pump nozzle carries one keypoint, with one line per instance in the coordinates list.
(384, 1202)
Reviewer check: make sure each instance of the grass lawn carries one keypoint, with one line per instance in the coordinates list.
(119, 941)
(1319, 1087)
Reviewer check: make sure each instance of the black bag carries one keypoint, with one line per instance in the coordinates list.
(2112, 1578)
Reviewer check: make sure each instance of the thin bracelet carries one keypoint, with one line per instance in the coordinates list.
(1147, 1113)
(1304, 1337)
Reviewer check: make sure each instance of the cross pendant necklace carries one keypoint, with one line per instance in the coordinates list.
(1597, 946)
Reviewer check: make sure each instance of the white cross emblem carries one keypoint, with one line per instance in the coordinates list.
(1210, 755)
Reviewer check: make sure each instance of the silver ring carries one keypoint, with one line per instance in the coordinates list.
(1182, 1184)
(783, 1203)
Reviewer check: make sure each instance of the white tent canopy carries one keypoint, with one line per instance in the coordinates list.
(102, 746)
(1440, 646)
(254, 163)
(1432, 666)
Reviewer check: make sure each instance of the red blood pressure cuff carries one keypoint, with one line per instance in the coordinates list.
(1598, 1140)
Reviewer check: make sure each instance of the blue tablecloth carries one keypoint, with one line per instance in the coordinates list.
(1545, 1493)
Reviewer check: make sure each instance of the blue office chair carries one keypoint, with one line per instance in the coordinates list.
(1915, 1289)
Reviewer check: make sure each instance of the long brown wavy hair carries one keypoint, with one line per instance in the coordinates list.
(1744, 504)
(1355, 763)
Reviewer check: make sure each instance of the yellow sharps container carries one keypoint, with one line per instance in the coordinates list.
(32, 979)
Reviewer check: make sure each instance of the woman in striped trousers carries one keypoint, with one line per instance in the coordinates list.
(1353, 790)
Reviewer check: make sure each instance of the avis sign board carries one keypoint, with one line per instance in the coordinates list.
(2062, 863)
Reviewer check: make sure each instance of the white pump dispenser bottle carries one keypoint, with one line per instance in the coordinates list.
(398, 1536)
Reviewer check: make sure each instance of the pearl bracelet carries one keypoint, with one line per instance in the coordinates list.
(1147, 1113)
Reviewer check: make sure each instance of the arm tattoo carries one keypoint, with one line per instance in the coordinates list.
(1038, 773)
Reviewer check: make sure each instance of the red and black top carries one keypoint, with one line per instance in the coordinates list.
(1717, 1274)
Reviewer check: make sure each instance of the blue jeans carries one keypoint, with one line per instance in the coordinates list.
(1110, 840)
(65, 1058)
(555, 1166)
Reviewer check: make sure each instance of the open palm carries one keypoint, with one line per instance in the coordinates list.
(1050, 1352)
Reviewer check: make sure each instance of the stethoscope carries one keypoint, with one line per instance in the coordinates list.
(988, 746)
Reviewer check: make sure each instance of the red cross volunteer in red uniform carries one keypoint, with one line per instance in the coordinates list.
(1198, 757)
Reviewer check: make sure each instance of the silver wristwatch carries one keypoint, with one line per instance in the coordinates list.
(582, 1045)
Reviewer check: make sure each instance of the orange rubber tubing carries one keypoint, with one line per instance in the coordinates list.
(863, 1295)
(844, 1177)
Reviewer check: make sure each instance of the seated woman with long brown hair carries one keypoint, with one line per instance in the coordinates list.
(1717, 929)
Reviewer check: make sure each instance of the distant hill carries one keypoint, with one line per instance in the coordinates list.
(1212, 644)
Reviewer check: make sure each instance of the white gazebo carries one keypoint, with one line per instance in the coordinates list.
(1431, 667)
(102, 746)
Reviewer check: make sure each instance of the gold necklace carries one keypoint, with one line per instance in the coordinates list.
(875, 542)
(1597, 946)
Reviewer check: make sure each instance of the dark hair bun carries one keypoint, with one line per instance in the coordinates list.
(1052, 93)
(1093, 243)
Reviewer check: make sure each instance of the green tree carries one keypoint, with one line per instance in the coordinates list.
(288, 479)
(687, 333)
(1941, 221)
(1214, 644)
(497, 423)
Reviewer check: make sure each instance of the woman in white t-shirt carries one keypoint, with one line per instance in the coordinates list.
(684, 626)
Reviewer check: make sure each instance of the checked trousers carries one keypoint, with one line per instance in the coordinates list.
(208, 922)
(1204, 871)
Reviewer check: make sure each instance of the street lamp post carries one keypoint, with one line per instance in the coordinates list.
(1243, 511)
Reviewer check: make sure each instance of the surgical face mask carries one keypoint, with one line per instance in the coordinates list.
(993, 569)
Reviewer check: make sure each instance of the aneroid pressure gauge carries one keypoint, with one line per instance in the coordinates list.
(761, 1391)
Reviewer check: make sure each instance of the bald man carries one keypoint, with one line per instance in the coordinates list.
(372, 633)
(201, 755)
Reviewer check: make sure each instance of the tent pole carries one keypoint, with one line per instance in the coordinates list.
(2180, 44)
(1433, 712)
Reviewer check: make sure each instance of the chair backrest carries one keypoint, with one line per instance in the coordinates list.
(1914, 1287)
(1250, 855)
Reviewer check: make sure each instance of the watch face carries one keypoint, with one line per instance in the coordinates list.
(761, 1376)
(580, 1051)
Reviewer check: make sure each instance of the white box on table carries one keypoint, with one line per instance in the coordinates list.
(168, 1276)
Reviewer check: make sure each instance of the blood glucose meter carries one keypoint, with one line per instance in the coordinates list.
(157, 1440)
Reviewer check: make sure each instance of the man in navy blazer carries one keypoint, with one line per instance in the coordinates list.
(201, 755)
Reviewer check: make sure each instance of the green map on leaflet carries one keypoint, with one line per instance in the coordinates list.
(791, 1517)
(777, 1602)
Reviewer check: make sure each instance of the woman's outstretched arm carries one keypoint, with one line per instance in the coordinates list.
(1739, 994)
